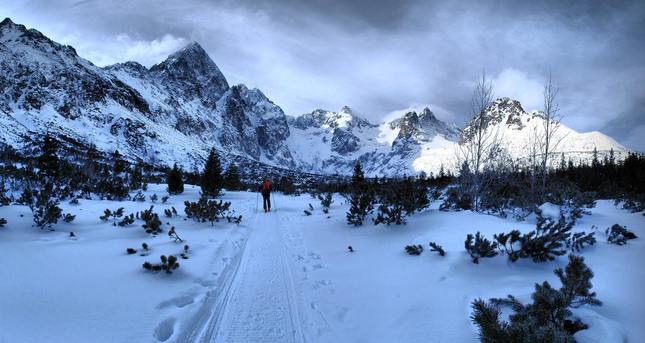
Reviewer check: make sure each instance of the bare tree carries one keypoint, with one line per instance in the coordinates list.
(549, 140)
(478, 143)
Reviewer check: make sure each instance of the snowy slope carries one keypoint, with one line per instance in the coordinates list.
(287, 277)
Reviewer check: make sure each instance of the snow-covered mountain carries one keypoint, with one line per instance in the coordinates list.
(175, 111)
(332, 142)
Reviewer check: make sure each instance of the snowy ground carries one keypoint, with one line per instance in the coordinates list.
(286, 277)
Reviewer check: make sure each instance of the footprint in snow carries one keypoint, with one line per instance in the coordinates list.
(180, 301)
(164, 330)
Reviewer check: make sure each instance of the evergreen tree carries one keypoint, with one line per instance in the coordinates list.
(45, 209)
(175, 181)
(576, 282)
(91, 165)
(358, 178)
(48, 161)
(212, 177)
(232, 178)
(136, 176)
(118, 163)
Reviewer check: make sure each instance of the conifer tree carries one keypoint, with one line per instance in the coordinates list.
(118, 163)
(212, 176)
(358, 178)
(48, 161)
(175, 180)
(136, 176)
(576, 282)
(232, 177)
(361, 198)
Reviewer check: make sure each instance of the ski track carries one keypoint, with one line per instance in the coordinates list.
(255, 299)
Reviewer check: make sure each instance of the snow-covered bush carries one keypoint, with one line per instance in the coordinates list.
(114, 215)
(127, 220)
(391, 213)
(456, 200)
(173, 235)
(167, 264)
(4, 199)
(139, 197)
(207, 210)
(414, 249)
(361, 204)
(68, 217)
(619, 235)
(549, 239)
(45, 209)
(152, 223)
(547, 318)
(3, 222)
(325, 201)
(479, 246)
(435, 247)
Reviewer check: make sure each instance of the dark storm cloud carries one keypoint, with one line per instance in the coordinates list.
(381, 56)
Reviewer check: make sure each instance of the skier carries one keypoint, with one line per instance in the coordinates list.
(265, 190)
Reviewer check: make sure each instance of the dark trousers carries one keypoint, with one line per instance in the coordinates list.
(266, 201)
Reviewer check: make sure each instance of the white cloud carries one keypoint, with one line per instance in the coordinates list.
(149, 52)
(518, 85)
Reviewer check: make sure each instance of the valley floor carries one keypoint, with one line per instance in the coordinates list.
(287, 277)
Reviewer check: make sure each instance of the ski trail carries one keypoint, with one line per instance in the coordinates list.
(263, 305)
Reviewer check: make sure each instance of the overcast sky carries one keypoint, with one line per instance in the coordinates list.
(378, 56)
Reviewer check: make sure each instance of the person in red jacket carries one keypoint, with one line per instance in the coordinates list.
(265, 190)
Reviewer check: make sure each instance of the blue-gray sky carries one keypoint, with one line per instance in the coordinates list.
(381, 56)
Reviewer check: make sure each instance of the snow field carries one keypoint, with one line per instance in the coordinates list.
(286, 277)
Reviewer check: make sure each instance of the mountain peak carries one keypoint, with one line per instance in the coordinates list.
(7, 22)
(193, 48)
(7, 25)
(193, 74)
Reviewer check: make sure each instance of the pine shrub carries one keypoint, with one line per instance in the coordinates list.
(45, 209)
(207, 210)
(547, 318)
(326, 200)
(174, 236)
(115, 215)
(435, 247)
(68, 217)
(127, 220)
(414, 250)
(152, 223)
(168, 264)
(390, 214)
(140, 197)
(479, 246)
(619, 235)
